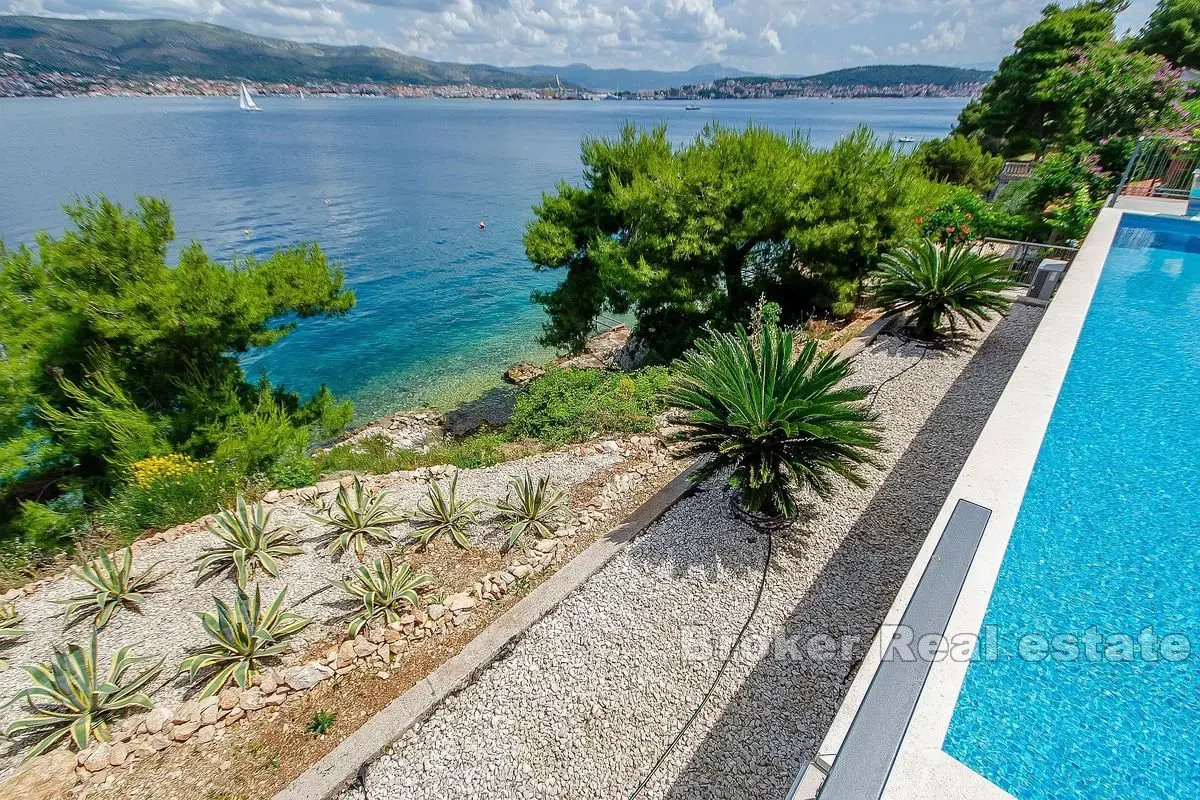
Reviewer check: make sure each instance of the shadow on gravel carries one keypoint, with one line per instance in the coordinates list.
(760, 742)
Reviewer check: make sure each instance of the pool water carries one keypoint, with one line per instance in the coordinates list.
(1106, 544)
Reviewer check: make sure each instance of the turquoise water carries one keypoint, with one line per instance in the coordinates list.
(1106, 541)
(443, 307)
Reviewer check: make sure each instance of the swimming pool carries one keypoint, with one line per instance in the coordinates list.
(1105, 546)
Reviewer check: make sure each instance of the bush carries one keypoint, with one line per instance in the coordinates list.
(569, 405)
(168, 501)
(252, 442)
(938, 286)
(375, 455)
(779, 422)
(960, 160)
(292, 471)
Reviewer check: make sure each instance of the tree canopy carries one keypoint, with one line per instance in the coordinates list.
(684, 237)
(108, 354)
(1173, 32)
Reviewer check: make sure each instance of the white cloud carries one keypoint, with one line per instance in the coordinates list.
(786, 36)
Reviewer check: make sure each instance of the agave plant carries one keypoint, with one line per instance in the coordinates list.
(939, 286)
(70, 697)
(445, 514)
(383, 588)
(114, 586)
(529, 505)
(779, 422)
(357, 515)
(10, 627)
(248, 540)
(242, 637)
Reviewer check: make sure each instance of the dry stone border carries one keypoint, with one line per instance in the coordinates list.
(379, 649)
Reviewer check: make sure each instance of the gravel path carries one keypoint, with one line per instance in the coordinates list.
(588, 699)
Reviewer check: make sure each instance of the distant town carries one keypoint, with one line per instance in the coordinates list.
(779, 88)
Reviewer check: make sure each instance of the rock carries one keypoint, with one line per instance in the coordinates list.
(546, 546)
(181, 733)
(362, 647)
(324, 487)
(460, 602)
(158, 742)
(188, 712)
(384, 652)
(206, 734)
(391, 635)
(45, 777)
(275, 699)
(118, 754)
(268, 684)
(436, 611)
(98, 759)
(271, 496)
(494, 408)
(234, 715)
(251, 699)
(611, 447)
(581, 361)
(228, 698)
(307, 676)
(523, 373)
(521, 571)
(345, 654)
(210, 713)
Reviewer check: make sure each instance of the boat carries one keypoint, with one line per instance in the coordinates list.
(301, 94)
(691, 108)
(906, 140)
(245, 101)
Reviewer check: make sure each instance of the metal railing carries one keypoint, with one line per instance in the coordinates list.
(1161, 166)
(1026, 255)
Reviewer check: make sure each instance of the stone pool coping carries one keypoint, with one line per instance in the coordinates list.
(995, 476)
(339, 768)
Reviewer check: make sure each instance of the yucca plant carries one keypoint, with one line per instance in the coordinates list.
(939, 286)
(778, 421)
(248, 540)
(529, 505)
(114, 585)
(383, 588)
(71, 697)
(242, 637)
(358, 515)
(445, 514)
(10, 627)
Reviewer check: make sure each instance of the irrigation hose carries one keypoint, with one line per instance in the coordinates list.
(750, 618)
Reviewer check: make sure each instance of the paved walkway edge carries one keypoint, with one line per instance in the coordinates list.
(338, 769)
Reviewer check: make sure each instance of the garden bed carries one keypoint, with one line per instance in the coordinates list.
(249, 744)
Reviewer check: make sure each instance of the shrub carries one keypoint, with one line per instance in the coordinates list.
(242, 638)
(357, 515)
(569, 405)
(383, 588)
(114, 586)
(292, 471)
(69, 696)
(938, 286)
(251, 442)
(147, 471)
(960, 160)
(167, 502)
(954, 220)
(529, 505)
(321, 723)
(778, 422)
(375, 455)
(445, 514)
(249, 540)
(10, 627)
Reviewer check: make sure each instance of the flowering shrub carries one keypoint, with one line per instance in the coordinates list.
(148, 471)
(955, 220)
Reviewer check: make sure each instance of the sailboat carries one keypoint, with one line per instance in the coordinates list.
(245, 101)
(301, 94)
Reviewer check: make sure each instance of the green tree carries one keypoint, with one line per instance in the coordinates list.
(1015, 111)
(1173, 32)
(960, 160)
(109, 354)
(683, 237)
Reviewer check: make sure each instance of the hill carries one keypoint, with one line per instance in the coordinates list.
(630, 80)
(884, 75)
(198, 50)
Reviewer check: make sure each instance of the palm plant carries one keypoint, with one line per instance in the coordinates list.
(938, 286)
(357, 515)
(779, 422)
(10, 627)
(70, 697)
(114, 586)
(383, 588)
(248, 540)
(445, 514)
(243, 636)
(529, 505)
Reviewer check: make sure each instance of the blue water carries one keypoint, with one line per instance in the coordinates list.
(442, 306)
(1108, 537)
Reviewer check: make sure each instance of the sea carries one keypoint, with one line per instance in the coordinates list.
(392, 190)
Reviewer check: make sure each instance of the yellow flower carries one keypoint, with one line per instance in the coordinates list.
(148, 471)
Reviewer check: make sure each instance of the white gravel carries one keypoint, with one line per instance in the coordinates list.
(587, 700)
(167, 625)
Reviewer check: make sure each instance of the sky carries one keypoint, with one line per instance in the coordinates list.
(769, 36)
